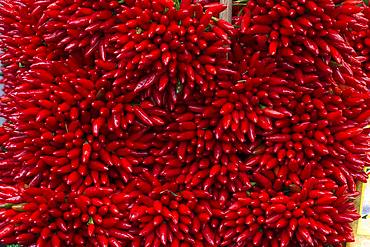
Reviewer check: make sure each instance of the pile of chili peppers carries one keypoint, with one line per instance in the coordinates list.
(156, 123)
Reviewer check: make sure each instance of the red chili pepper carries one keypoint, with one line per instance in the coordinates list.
(114, 242)
(6, 231)
(139, 112)
(245, 22)
(97, 191)
(149, 227)
(86, 152)
(146, 82)
(348, 133)
(97, 124)
(279, 138)
(306, 235)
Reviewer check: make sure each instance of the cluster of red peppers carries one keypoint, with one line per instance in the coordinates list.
(156, 123)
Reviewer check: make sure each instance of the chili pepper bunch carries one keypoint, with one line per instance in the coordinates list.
(313, 105)
(155, 123)
(289, 219)
(360, 41)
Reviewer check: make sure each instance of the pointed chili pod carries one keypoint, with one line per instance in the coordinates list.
(214, 8)
(142, 115)
(163, 233)
(86, 152)
(146, 82)
(348, 133)
(149, 227)
(97, 191)
(6, 231)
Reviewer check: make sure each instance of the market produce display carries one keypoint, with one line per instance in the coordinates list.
(156, 123)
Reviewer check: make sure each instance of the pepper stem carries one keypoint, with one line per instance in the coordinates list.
(6, 205)
(242, 1)
(179, 87)
(19, 207)
(177, 4)
(91, 221)
(173, 193)
(335, 64)
(215, 19)
(139, 30)
(262, 106)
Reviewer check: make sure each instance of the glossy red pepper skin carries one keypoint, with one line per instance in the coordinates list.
(148, 123)
(86, 152)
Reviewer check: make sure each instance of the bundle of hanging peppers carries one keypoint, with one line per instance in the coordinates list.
(156, 123)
